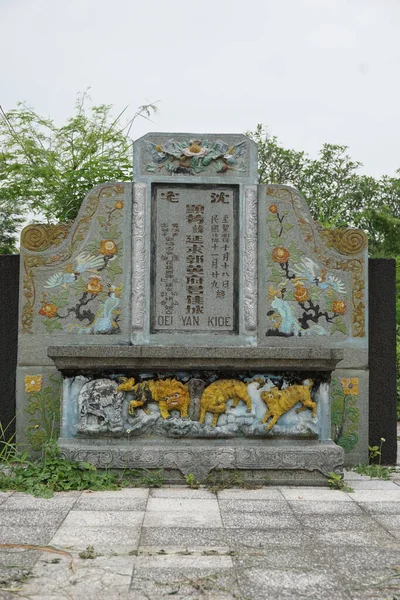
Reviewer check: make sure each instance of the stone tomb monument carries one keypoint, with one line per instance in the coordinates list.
(196, 321)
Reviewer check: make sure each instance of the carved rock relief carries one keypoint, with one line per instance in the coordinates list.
(199, 406)
(311, 290)
(72, 276)
(194, 156)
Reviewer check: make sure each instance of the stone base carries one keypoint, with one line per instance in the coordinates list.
(294, 462)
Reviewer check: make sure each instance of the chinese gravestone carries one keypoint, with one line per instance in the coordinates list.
(194, 320)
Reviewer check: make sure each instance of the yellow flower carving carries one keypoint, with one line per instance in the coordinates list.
(33, 383)
(280, 255)
(350, 386)
(339, 307)
(108, 247)
(300, 293)
(48, 310)
(94, 286)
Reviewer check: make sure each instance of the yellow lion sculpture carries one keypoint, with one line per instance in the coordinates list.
(281, 401)
(217, 394)
(170, 394)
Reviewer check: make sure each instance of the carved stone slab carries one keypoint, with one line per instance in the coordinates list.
(307, 463)
(191, 156)
(194, 259)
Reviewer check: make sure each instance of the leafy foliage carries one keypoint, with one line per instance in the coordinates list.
(49, 170)
(52, 474)
(376, 471)
(335, 481)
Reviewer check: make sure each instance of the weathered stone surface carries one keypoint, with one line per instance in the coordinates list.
(308, 461)
(82, 359)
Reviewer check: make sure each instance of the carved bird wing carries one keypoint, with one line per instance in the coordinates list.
(335, 283)
(55, 280)
(85, 262)
(307, 268)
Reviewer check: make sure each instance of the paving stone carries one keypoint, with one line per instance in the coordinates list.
(255, 506)
(183, 538)
(182, 512)
(278, 557)
(197, 561)
(190, 577)
(350, 475)
(201, 505)
(379, 585)
(110, 504)
(390, 521)
(102, 577)
(259, 521)
(371, 538)
(181, 492)
(122, 493)
(181, 519)
(379, 507)
(258, 538)
(326, 522)
(4, 496)
(350, 562)
(103, 539)
(376, 495)
(279, 584)
(12, 578)
(22, 502)
(27, 534)
(395, 533)
(268, 493)
(325, 507)
(374, 484)
(116, 518)
(373, 583)
(18, 557)
(314, 494)
(31, 518)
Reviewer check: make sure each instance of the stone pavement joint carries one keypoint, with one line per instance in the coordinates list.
(266, 543)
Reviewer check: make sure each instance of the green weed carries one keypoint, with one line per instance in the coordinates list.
(221, 479)
(192, 481)
(52, 473)
(336, 482)
(375, 471)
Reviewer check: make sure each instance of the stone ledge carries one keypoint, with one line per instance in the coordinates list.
(86, 359)
(299, 462)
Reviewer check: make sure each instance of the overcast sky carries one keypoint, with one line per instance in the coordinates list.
(312, 71)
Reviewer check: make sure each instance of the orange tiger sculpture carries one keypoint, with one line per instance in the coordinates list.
(170, 394)
(281, 401)
(217, 394)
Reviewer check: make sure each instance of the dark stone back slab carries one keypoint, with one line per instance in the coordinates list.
(9, 277)
(382, 357)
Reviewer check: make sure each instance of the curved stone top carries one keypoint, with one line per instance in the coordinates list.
(72, 359)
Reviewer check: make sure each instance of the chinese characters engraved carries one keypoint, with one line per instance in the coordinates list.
(194, 261)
